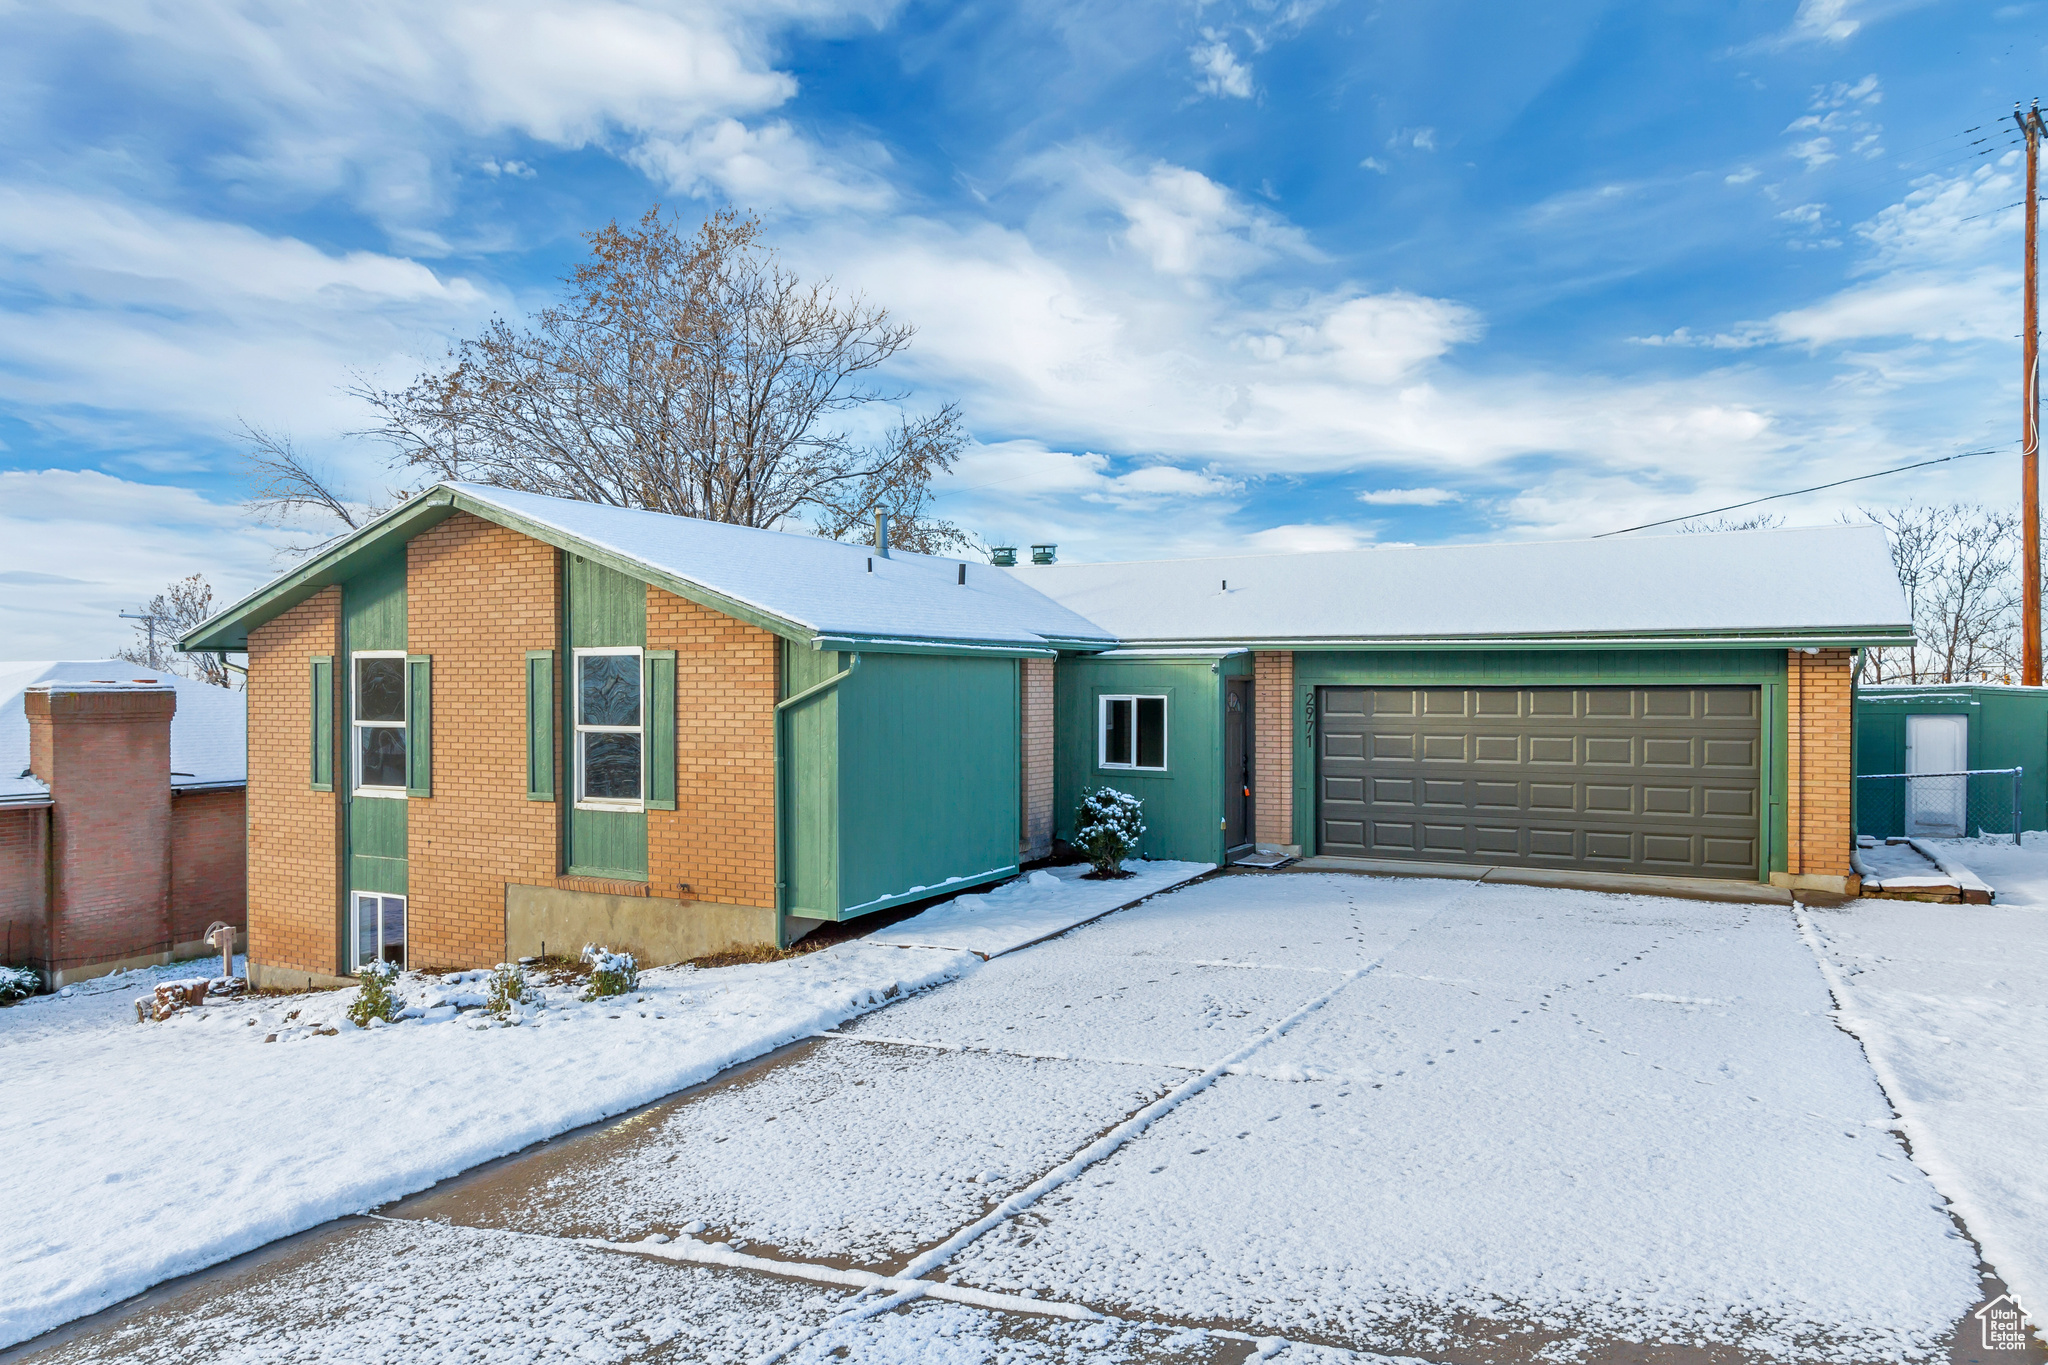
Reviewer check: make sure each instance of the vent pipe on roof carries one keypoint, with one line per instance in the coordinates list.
(1002, 556)
(882, 534)
(1044, 554)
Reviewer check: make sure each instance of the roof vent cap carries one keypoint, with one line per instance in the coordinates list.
(1002, 556)
(1044, 554)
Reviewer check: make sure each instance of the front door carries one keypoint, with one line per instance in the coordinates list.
(1237, 762)
(1937, 806)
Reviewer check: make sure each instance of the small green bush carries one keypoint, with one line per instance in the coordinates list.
(374, 999)
(18, 983)
(610, 973)
(509, 990)
(1106, 829)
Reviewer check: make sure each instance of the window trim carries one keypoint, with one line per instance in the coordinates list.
(578, 729)
(355, 926)
(403, 724)
(1102, 701)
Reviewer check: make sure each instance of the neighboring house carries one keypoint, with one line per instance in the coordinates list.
(121, 816)
(492, 721)
(1946, 728)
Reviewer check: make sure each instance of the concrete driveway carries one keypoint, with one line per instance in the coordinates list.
(1289, 1117)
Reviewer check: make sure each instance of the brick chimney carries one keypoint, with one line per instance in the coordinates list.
(104, 749)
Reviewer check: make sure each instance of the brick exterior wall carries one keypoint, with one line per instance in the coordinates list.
(294, 831)
(1036, 737)
(107, 760)
(719, 841)
(24, 887)
(1819, 765)
(209, 862)
(478, 596)
(1273, 746)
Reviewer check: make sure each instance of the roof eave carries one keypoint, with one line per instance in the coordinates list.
(1804, 637)
(896, 644)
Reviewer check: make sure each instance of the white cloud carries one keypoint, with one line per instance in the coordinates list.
(1409, 497)
(1217, 69)
(518, 170)
(767, 168)
(99, 545)
(1373, 163)
(1741, 177)
(1305, 538)
(1815, 152)
(1422, 139)
(1185, 223)
(1816, 21)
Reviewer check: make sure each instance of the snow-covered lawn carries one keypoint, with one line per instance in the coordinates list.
(1031, 908)
(136, 1152)
(1951, 1003)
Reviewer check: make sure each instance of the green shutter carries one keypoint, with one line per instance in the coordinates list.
(419, 725)
(659, 670)
(540, 725)
(322, 702)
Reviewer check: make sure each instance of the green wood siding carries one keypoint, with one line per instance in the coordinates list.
(540, 725)
(419, 725)
(2008, 729)
(1764, 668)
(601, 607)
(1184, 804)
(321, 703)
(927, 776)
(658, 688)
(809, 733)
(373, 616)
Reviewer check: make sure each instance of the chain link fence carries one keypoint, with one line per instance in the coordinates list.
(1939, 805)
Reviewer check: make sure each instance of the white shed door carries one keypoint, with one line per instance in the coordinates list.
(1937, 806)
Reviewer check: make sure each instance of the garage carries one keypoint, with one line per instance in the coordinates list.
(1656, 780)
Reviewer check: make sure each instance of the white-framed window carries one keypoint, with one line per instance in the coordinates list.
(1131, 733)
(376, 929)
(610, 774)
(378, 722)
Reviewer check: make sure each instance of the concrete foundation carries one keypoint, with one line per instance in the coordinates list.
(655, 929)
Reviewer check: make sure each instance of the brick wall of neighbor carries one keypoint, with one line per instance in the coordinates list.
(719, 841)
(1818, 768)
(294, 831)
(1273, 746)
(106, 756)
(24, 918)
(209, 862)
(1035, 769)
(478, 596)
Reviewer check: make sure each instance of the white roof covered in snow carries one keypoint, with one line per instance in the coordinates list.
(209, 730)
(1799, 584)
(823, 584)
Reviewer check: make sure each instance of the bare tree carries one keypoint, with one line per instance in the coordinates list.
(690, 374)
(1958, 563)
(168, 615)
(283, 487)
(1757, 521)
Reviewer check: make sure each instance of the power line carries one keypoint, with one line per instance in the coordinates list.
(1735, 506)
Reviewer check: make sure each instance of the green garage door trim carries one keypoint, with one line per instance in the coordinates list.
(1761, 668)
(1656, 780)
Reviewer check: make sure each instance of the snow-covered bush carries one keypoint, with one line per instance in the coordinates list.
(610, 973)
(374, 999)
(509, 990)
(18, 983)
(1106, 829)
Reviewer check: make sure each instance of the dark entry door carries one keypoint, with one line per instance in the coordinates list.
(1661, 780)
(1237, 762)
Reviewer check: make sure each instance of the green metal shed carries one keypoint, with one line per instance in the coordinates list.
(2005, 727)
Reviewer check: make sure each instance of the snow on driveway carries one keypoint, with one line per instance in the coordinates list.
(1951, 1003)
(140, 1152)
(1049, 901)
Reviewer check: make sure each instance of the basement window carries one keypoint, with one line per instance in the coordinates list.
(608, 733)
(1132, 733)
(378, 931)
(379, 723)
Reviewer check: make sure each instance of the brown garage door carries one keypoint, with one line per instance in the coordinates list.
(1623, 779)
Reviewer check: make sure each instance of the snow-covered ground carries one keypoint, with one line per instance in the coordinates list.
(1951, 1004)
(1031, 908)
(139, 1152)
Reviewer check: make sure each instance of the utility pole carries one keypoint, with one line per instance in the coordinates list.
(149, 624)
(2030, 415)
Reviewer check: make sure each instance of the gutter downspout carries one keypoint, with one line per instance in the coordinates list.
(782, 796)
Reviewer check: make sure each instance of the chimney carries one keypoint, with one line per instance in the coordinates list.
(1044, 554)
(882, 534)
(104, 749)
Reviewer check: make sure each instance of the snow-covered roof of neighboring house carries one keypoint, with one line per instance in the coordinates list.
(1810, 586)
(803, 586)
(209, 730)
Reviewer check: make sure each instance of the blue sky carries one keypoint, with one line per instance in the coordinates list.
(1202, 277)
